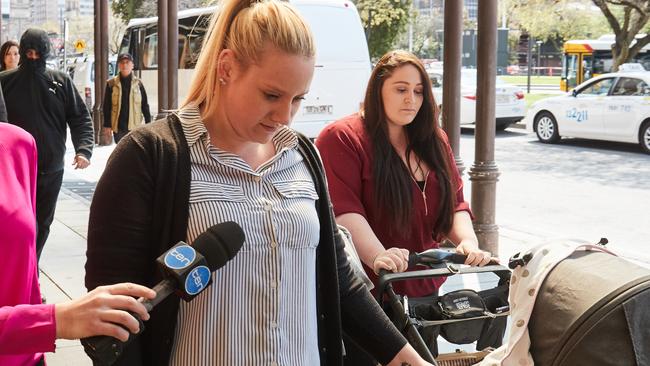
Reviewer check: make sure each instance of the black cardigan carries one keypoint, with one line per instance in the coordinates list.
(140, 209)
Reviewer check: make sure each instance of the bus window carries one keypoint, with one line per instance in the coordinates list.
(603, 62)
(190, 39)
(124, 46)
(150, 54)
(571, 70)
(587, 67)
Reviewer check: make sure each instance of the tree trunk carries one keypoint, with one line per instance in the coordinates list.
(620, 54)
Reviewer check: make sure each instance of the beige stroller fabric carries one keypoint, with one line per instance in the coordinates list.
(524, 285)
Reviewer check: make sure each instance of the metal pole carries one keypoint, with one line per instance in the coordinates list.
(453, 41)
(539, 54)
(172, 60)
(162, 59)
(65, 49)
(99, 87)
(529, 58)
(102, 65)
(484, 173)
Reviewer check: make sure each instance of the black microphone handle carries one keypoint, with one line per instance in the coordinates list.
(105, 350)
(163, 289)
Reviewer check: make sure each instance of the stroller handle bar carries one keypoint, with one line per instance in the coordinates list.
(435, 256)
(439, 263)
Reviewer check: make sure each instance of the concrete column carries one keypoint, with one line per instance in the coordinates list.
(172, 60)
(484, 173)
(163, 100)
(453, 46)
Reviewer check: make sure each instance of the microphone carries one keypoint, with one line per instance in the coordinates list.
(187, 271)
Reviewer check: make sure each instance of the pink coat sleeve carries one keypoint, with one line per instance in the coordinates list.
(27, 329)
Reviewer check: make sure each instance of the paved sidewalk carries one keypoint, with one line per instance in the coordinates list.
(63, 259)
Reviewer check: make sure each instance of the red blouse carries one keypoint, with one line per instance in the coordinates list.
(347, 155)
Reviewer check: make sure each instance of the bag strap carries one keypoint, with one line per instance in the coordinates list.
(308, 151)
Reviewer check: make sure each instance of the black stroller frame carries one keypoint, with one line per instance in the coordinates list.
(440, 263)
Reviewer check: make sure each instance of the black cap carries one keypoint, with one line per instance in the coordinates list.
(125, 56)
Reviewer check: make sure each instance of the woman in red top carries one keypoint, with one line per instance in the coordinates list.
(392, 177)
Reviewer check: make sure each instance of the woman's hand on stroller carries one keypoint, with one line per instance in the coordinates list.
(475, 256)
(391, 259)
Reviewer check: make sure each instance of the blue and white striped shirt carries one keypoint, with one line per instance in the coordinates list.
(261, 307)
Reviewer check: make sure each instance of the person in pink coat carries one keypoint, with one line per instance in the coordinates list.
(27, 327)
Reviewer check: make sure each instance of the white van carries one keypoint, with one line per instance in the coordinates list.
(342, 58)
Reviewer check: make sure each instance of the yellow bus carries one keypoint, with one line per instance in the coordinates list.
(584, 59)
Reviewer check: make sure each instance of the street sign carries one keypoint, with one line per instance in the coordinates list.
(80, 45)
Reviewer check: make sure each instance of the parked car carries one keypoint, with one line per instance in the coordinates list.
(82, 72)
(510, 106)
(613, 107)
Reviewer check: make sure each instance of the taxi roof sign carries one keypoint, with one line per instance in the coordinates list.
(631, 67)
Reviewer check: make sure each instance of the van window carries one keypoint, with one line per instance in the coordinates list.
(343, 42)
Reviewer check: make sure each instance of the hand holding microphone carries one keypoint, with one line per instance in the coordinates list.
(97, 312)
(187, 270)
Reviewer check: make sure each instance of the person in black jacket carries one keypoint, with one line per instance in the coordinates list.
(44, 102)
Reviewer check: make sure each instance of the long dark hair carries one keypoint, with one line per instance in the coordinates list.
(391, 177)
(4, 50)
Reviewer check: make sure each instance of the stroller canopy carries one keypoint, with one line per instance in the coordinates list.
(593, 308)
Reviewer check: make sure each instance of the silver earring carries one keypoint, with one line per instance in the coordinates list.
(222, 81)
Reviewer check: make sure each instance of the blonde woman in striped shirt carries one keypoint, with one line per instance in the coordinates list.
(229, 154)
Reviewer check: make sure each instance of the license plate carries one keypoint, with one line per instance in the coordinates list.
(502, 99)
(319, 109)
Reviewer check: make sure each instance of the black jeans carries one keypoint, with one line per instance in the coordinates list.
(48, 186)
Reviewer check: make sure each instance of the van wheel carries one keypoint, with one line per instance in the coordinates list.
(644, 137)
(546, 128)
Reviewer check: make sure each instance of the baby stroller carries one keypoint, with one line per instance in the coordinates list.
(576, 304)
(461, 317)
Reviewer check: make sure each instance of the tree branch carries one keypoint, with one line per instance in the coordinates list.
(611, 19)
(628, 4)
(640, 43)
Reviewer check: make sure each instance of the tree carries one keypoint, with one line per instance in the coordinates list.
(116, 29)
(128, 9)
(383, 21)
(549, 20)
(424, 41)
(125, 9)
(627, 18)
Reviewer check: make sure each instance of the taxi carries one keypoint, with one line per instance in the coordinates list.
(612, 107)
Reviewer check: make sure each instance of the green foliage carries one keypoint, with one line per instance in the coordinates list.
(627, 19)
(128, 9)
(424, 42)
(556, 19)
(384, 21)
